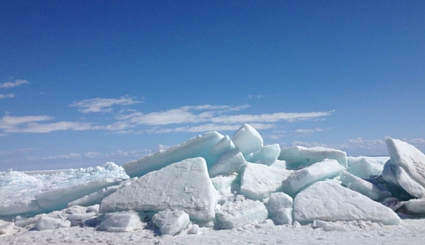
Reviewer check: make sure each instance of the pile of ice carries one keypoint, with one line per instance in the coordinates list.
(221, 182)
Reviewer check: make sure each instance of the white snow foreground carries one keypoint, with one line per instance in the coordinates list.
(221, 182)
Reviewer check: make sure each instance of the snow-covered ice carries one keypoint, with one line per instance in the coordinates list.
(259, 180)
(247, 139)
(171, 222)
(364, 167)
(298, 156)
(361, 186)
(183, 185)
(329, 201)
(121, 221)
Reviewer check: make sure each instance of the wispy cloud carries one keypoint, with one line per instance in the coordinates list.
(31, 124)
(6, 96)
(258, 96)
(309, 130)
(103, 104)
(13, 84)
(64, 156)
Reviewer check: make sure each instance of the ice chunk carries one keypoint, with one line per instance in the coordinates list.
(59, 198)
(238, 211)
(406, 167)
(230, 162)
(247, 139)
(278, 201)
(81, 218)
(267, 155)
(283, 216)
(299, 179)
(171, 222)
(225, 144)
(184, 186)
(194, 230)
(329, 201)
(364, 167)
(297, 157)
(223, 182)
(120, 222)
(415, 206)
(361, 186)
(279, 164)
(48, 223)
(7, 228)
(196, 147)
(259, 180)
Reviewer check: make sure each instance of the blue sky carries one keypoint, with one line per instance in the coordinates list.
(86, 82)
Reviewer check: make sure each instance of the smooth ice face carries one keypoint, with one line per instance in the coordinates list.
(297, 157)
(361, 186)
(120, 222)
(259, 180)
(238, 211)
(406, 167)
(364, 167)
(299, 179)
(230, 162)
(183, 185)
(278, 201)
(59, 198)
(329, 201)
(222, 146)
(196, 147)
(171, 222)
(267, 155)
(247, 139)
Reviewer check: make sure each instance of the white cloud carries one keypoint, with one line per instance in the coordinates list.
(209, 127)
(258, 96)
(102, 104)
(13, 84)
(309, 130)
(6, 96)
(30, 124)
(64, 156)
(273, 117)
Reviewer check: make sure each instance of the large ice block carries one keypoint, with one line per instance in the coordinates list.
(171, 222)
(267, 155)
(196, 147)
(120, 222)
(297, 157)
(183, 185)
(247, 139)
(361, 186)
(228, 163)
(406, 167)
(329, 201)
(259, 180)
(364, 167)
(299, 179)
(225, 144)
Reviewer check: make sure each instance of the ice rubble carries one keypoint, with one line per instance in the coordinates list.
(222, 182)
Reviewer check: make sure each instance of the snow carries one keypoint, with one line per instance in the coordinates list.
(238, 211)
(171, 222)
(361, 186)
(267, 155)
(259, 180)
(48, 223)
(183, 185)
(247, 139)
(297, 157)
(406, 167)
(364, 167)
(199, 146)
(299, 179)
(120, 222)
(329, 201)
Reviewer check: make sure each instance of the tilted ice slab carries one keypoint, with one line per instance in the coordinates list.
(299, 179)
(247, 139)
(183, 185)
(228, 163)
(225, 144)
(329, 201)
(259, 180)
(361, 186)
(238, 211)
(406, 167)
(18, 190)
(298, 156)
(59, 198)
(364, 167)
(267, 155)
(199, 146)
